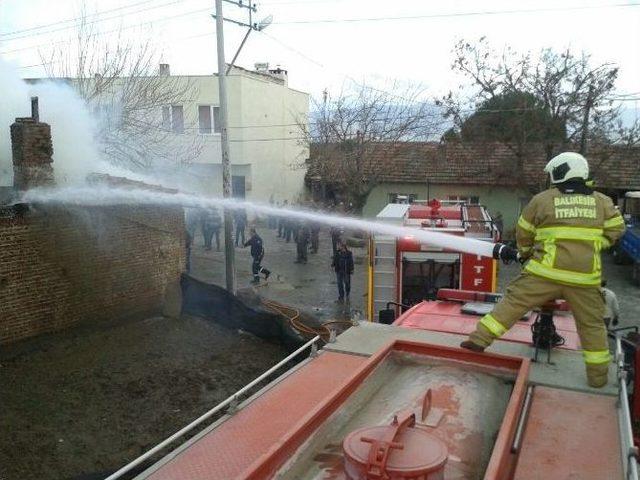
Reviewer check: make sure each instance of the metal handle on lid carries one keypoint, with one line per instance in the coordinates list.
(381, 447)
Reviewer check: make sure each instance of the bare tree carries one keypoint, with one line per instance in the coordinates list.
(557, 100)
(353, 137)
(129, 96)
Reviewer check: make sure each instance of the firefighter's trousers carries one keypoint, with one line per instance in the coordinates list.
(529, 291)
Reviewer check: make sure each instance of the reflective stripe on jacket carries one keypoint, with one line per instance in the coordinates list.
(562, 235)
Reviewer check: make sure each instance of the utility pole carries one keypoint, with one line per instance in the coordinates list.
(585, 121)
(229, 252)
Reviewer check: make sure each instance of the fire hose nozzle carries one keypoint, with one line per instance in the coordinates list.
(505, 253)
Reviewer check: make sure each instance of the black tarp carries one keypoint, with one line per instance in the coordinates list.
(243, 311)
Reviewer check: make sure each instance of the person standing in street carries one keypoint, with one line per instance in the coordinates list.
(343, 266)
(282, 221)
(240, 217)
(211, 223)
(499, 224)
(560, 235)
(257, 254)
(288, 228)
(336, 233)
(315, 237)
(271, 219)
(192, 219)
(302, 241)
(611, 305)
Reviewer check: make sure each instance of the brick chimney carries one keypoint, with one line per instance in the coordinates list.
(32, 150)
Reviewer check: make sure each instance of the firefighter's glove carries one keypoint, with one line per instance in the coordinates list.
(506, 253)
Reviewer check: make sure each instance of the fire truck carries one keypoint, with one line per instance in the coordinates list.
(404, 271)
(403, 402)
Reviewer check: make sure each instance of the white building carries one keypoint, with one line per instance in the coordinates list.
(267, 154)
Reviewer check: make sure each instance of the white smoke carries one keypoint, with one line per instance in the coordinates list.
(76, 151)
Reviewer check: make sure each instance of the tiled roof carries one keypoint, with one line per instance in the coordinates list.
(484, 164)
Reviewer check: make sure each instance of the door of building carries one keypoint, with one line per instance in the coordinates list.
(237, 186)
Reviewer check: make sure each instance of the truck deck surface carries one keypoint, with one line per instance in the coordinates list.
(558, 443)
(567, 370)
(447, 317)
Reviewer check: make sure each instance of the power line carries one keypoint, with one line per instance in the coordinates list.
(100, 34)
(76, 18)
(91, 22)
(454, 15)
(299, 2)
(179, 39)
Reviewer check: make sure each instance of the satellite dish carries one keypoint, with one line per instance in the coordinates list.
(264, 23)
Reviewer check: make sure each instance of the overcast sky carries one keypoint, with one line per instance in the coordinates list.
(309, 39)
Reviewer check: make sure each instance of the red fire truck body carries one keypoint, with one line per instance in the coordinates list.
(404, 271)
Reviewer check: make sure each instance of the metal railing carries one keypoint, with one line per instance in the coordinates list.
(629, 451)
(231, 401)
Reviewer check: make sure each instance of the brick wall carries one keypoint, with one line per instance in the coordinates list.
(60, 266)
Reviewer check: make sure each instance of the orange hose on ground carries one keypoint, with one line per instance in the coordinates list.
(293, 316)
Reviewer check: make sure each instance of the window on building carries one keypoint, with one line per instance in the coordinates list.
(177, 119)
(208, 119)
(166, 118)
(402, 197)
(468, 199)
(204, 118)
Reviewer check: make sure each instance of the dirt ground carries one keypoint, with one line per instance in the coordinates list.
(86, 401)
(83, 402)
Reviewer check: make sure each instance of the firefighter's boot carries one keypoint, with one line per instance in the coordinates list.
(469, 345)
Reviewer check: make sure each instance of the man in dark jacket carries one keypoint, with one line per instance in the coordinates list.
(343, 265)
(257, 253)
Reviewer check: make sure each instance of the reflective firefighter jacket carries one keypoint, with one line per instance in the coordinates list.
(562, 235)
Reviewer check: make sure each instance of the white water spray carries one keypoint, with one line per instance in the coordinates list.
(106, 196)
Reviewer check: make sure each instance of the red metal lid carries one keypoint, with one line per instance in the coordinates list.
(422, 453)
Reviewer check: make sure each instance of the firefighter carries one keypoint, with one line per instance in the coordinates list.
(257, 253)
(560, 235)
